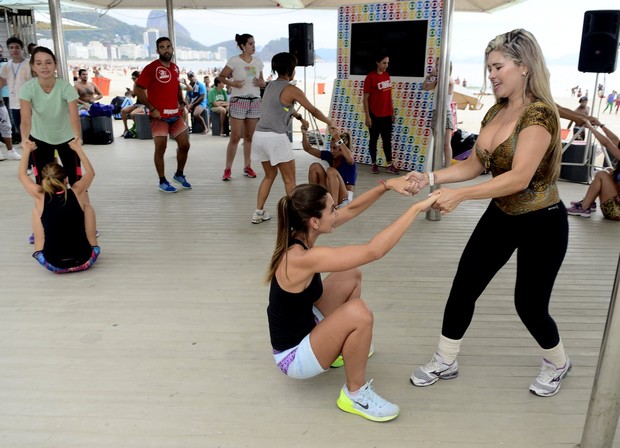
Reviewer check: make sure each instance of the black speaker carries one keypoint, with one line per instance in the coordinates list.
(301, 43)
(575, 173)
(599, 41)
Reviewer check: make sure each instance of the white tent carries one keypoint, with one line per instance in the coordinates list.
(461, 5)
(44, 22)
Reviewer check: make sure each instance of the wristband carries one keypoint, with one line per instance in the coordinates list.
(298, 117)
(602, 126)
(382, 182)
(431, 178)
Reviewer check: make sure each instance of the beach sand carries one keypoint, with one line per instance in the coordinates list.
(468, 120)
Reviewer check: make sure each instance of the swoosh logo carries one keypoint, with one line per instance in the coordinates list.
(365, 406)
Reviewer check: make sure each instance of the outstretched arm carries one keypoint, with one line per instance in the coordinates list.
(609, 140)
(366, 199)
(306, 144)
(22, 172)
(290, 94)
(328, 259)
(82, 185)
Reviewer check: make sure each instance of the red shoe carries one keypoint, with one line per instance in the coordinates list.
(249, 172)
(226, 176)
(374, 169)
(392, 169)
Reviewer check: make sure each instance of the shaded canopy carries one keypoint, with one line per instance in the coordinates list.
(460, 5)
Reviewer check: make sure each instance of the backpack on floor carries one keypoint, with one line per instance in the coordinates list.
(119, 103)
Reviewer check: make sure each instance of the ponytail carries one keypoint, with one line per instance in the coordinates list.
(242, 39)
(52, 179)
(294, 211)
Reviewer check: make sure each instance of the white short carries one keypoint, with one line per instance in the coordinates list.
(299, 362)
(271, 147)
(5, 123)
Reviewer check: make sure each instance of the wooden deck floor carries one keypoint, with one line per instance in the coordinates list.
(164, 343)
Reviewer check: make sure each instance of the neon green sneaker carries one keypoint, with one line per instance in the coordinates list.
(368, 404)
(339, 361)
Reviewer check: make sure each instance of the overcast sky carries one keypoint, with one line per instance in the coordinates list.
(557, 24)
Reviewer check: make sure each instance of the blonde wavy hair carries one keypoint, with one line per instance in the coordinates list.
(522, 48)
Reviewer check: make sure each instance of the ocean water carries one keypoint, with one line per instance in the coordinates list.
(563, 77)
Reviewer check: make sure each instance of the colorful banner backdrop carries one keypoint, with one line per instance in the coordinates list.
(411, 135)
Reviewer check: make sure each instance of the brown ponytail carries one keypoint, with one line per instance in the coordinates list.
(294, 211)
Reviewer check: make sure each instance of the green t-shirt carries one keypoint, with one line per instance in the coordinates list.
(50, 111)
(216, 95)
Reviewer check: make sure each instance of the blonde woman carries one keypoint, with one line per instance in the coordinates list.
(520, 145)
(63, 221)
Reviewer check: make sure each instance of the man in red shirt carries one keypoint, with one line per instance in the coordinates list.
(159, 90)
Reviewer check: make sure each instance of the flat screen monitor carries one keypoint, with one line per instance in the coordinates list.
(403, 41)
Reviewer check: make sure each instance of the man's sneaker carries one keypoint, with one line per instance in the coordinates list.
(167, 188)
(548, 381)
(13, 155)
(435, 369)
(374, 169)
(367, 404)
(392, 169)
(576, 210)
(339, 362)
(260, 216)
(249, 172)
(31, 239)
(182, 181)
(227, 174)
(592, 206)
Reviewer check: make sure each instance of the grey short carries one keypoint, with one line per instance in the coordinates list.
(449, 121)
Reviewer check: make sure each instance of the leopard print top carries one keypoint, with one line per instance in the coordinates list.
(539, 193)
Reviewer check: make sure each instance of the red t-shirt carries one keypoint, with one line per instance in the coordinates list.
(379, 86)
(162, 86)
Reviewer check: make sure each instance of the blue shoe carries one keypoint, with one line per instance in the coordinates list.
(167, 188)
(182, 181)
(31, 239)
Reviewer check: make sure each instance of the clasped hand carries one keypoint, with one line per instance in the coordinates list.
(447, 199)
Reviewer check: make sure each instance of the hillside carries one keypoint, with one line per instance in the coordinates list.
(111, 30)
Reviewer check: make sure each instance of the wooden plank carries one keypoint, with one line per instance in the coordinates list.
(164, 343)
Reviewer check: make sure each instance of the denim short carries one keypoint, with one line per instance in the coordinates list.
(299, 362)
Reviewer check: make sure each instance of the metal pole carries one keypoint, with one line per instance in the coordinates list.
(59, 40)
(604, 410)
(171, 34)
(441, 95)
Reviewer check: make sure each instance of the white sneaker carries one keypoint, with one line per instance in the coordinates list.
(368, 404)
(260, 216)
(548, 381)
(435, 369)
(13, 155)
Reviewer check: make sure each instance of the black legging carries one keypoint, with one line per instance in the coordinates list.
(540, 238)
(44, 154)
(380, 126)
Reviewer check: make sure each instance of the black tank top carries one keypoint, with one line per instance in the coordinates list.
(290, 313)
(66, 244)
